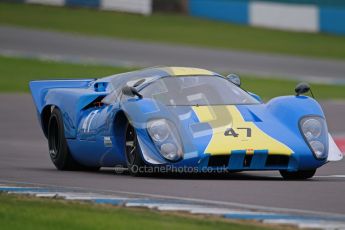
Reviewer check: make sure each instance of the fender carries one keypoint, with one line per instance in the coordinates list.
(70, 96)
(291, 108)
(40, 88)
(140, 111)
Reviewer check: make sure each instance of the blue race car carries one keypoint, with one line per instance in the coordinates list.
(177, 119)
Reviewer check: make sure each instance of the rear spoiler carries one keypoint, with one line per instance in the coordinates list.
(40, 88)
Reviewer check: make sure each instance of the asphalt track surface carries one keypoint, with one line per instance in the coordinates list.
(24, 158)
(76, 48)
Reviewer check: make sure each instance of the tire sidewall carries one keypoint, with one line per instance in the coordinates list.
(60, 159)
(138, 159)
(298, 175)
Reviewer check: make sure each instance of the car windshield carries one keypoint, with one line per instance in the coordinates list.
(196, 90)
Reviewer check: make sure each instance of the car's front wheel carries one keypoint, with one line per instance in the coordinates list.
(134, 159)
(298, 175)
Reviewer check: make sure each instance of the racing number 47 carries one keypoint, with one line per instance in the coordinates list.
(232, 132)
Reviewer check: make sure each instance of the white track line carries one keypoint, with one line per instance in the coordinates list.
(331, 176)
(191, 208)
(202, 201)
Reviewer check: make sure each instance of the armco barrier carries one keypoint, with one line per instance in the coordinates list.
(47, 2)
(230, 11)
(132, 6)
(284, 16)
(332, 20)
(305, 15)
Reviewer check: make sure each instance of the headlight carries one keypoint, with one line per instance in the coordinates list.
(315, 132)
(169, 151)
(158, 130)
(312, 128)
(318, 148)
(166, 139)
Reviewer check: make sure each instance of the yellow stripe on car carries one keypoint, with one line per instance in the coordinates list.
(185, 71)
(223, 118)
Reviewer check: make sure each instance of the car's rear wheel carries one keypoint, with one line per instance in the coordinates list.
(298, 175)
(134, 159)
(58, 149)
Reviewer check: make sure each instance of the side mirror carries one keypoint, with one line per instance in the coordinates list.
(234, 79)
(131, 91)
(302, 88)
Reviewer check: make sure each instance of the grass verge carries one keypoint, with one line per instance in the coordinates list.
(172, 29)
(15, 74)
(36, 214)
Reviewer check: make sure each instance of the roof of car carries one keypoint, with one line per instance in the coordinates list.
(118, 80)
(162, 72)
(184, 71)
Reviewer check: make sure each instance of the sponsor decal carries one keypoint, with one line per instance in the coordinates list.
(108, 142)
(88, 120)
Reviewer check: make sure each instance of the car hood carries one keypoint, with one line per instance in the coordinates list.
(229, 130)
(225, 129)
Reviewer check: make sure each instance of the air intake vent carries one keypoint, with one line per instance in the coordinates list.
(247, 160)
(219, 161)
(277, 160)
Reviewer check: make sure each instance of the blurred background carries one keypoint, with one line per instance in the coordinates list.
(271, 44)
(288, 40)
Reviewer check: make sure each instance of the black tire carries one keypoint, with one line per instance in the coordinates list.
(58, 149)
(135, 163)
(298, 175)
